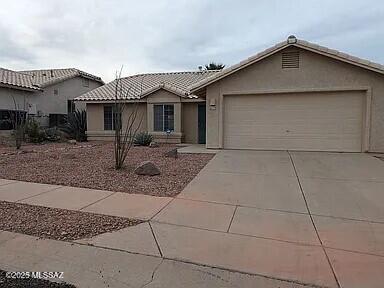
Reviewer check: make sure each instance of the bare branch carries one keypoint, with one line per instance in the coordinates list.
(125, 134)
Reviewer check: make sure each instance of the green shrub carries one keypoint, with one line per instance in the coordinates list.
(143, 139)
(76, 126)
(34, 132)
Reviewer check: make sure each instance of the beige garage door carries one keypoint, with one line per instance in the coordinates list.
(326, 121)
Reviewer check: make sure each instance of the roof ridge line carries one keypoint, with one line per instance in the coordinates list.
(14, 71)
(170, 73)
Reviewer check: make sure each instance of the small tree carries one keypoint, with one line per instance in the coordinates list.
(124, 136)
(214, 66)
(17, 118)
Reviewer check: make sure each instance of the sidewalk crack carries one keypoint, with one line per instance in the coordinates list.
(154, 237)
(153, 274)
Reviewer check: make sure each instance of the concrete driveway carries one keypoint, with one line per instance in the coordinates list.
(315, 218)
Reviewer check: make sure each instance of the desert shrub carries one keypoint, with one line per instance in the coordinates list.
(34, 132)
(76, 126)
(52, 134)
(143, 139)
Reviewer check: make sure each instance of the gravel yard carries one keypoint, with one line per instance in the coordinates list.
(29, 283)
(58, 224)
(90, 165)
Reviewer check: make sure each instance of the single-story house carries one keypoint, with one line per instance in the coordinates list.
(47, 95)
(293, 96)
(163, 102)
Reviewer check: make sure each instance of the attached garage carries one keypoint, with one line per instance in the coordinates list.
(322, 121)
(296, 96)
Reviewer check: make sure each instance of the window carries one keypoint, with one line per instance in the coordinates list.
(56, 92)
(9, 117)
(57, 120)
(163, 118)
(70, 106)
(85, 82)
(110, 117)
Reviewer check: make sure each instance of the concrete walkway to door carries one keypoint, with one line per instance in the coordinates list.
(315, 218)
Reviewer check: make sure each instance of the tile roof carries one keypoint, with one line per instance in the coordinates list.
(282, 45)
(37, 79)
(46, 77)
(139, 86)
(17, 80)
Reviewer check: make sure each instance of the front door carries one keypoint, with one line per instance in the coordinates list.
(201, 123)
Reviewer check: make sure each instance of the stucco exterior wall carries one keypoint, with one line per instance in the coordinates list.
(95, 120)
(95, 117)
(22, 98)
(49, 103)
(315, 72)
(190, 122)
(183, 125)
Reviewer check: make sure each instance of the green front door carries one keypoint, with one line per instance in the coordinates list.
(201, 123)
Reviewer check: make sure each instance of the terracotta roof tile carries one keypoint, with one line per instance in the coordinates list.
(17, 79)
(141, 85)
(47, 77)
(37, 79)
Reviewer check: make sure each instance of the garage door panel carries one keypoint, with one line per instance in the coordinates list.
(297, 143)
(294, 114)
(314, 122)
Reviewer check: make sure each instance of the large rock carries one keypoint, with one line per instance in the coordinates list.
(153, 144)
(172, 153)
(147, 168)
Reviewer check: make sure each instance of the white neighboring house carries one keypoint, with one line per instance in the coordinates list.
(47, 95)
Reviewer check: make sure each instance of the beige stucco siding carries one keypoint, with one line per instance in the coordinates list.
(67, 90)
(190, 122)
(95, 120)
(95, 117)
(185, 118)
(316, 72)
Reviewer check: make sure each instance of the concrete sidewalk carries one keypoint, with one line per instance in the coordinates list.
(88, 200)
(93, 267)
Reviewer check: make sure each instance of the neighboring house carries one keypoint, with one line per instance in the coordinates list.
(46, 95)
(293, 96)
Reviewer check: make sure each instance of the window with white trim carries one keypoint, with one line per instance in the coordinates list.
(164, 115)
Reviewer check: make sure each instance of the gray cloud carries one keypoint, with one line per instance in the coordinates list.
(11, 51)
(100, 36)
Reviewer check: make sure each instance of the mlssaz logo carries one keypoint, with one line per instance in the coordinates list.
(46, 275)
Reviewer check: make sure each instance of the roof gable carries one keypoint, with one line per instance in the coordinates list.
(292, 41)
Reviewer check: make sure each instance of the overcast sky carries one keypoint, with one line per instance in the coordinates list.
(163, 35)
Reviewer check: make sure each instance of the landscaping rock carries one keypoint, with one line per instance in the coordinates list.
(153, 144)
(72, 141)
(147, 168)
(172, 153)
